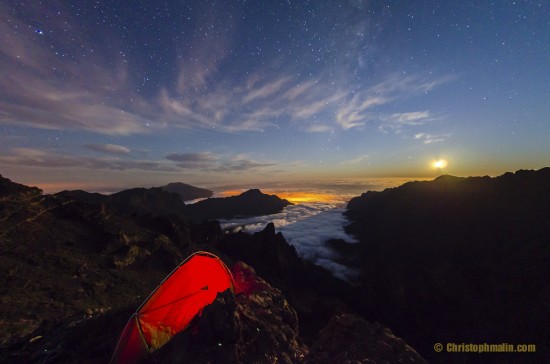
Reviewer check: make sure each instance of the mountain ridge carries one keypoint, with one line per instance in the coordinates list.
(187, 192)
(476, 247)
(249, 203)
(158, 201)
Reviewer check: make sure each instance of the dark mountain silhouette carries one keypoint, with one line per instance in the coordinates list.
(92, 198)
(249, 203)
(72, 271)
(137, 201)
(16, 190)
(157, 201)
(142, 201)
(458, 260)
(187, 192)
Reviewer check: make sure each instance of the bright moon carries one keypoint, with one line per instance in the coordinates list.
(442, 163)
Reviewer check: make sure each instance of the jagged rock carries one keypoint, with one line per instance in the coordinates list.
(208, 232)
(350, 339)
(266, 250)
(313, 292)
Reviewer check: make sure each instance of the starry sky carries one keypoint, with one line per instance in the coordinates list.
(103, 95)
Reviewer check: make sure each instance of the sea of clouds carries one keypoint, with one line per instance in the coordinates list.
(307, 227)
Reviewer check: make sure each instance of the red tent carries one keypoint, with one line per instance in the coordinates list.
(182, 295)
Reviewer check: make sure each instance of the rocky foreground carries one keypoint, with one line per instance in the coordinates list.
(73, 270)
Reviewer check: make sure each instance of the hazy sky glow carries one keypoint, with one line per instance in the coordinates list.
(110, 94)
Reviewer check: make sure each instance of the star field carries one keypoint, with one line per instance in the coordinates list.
(107, 94)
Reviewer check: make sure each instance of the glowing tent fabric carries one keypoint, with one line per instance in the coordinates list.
(190, 287)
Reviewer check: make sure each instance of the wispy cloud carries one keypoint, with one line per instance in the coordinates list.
(201, 162)
(431, 138)
(50, 81)
(357, 160)
(192, 160)
(241, 166)
(191, 157)
(359, 109)
(39, 158)
(395, 122)
(354, 113)
(318, 128)
(108, 148)
(266, 90)
(411, 118)
(313, 108)
(297, 91)
(200, 57)
(44, 86)
(210, 162)
(411, 84)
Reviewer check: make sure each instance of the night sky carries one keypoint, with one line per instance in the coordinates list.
(104, 95)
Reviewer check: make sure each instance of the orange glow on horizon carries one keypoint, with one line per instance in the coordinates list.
(229, 193)
(301, 197)
(292, 196)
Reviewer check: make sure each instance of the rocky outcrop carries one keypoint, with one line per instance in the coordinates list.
(314, 292)
(62, 257)
(348, 338)
(187, 192)
(275, 258)
(249, 203)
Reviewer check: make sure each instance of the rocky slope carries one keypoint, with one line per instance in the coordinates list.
(458, 259)
(63, 257)
(72, 272)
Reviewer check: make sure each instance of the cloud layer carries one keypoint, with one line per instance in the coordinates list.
(174, 162)
(307, 227)
(108, 148)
